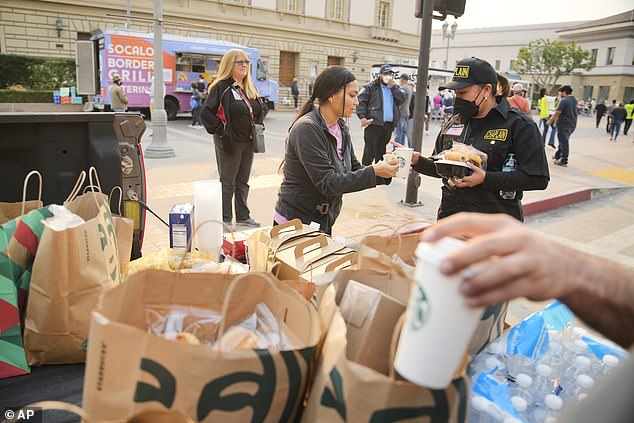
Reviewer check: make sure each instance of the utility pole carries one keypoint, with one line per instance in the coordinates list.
(413, 180)
(159, 147)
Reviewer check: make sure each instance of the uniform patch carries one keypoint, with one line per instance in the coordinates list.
(455, 130)
(496, 134)
(461, 72)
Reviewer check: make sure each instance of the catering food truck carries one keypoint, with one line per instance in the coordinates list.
(130, 54)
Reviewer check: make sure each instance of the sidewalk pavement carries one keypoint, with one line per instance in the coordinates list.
(595, 163)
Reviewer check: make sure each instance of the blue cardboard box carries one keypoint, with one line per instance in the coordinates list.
(181, 225)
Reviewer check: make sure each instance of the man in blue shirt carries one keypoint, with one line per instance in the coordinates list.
(378, 110)
(566, 117)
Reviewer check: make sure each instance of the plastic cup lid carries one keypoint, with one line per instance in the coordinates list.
(585, 381)
(437, 251)
(524, 380)
(519, 404)
(543, 370)
(553, 402)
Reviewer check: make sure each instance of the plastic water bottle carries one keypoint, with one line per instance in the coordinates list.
(582, 385)
(509, 166)
(544, 380)
(523, 387)
(609, 362)
(479, 404)
(518, 363)
(521, 406)
(581, 365)
(552, 405)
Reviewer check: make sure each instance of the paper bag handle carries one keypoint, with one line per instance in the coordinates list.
(351, 258)
(116, 188)
(77, 188)
(26, 184)
(302, 246)
(296, 223)
(229, 294)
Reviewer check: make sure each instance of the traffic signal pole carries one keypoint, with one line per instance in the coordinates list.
(413, 180)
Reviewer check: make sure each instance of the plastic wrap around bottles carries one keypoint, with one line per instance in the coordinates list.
(208, 208)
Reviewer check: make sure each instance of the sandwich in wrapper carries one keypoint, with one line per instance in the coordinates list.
(452, 163)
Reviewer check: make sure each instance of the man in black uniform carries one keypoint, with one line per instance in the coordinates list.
(488, 124)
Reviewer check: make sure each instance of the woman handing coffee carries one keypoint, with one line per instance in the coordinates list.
(319, 164)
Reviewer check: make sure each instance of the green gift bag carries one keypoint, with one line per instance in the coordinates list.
(19, 239)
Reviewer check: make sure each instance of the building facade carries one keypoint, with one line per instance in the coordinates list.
(295, 37)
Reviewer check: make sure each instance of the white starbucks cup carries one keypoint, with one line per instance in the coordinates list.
(438, 323)
(404, 160)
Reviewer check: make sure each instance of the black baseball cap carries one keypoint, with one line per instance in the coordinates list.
(386, 69)
(472, 71)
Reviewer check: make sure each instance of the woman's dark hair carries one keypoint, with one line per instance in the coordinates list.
(194, 85)
(327, 83)
(504, 85)
(542, 92)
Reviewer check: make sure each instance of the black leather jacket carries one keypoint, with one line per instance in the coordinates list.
(371, 102)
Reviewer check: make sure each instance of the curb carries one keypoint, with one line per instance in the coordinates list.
(564, 199)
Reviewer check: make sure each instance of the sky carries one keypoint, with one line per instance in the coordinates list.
(488, 13)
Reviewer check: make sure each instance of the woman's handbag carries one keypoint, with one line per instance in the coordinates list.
(258, 138)
(257, 129)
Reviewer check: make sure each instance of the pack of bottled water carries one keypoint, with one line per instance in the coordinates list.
(538, 368)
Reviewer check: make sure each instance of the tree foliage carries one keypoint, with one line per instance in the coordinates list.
(38, 73)
(546, 61)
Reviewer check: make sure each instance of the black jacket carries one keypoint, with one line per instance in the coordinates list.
(217, 117)
(315, 178)
(371, 102)
(502, 131)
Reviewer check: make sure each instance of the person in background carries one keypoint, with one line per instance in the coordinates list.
(378, 110)
(546, 106)
(401, 129)
(118, 99)
(295, 92)
(230, 110)
(319, 162)
(495, 129)
(447, 105)
(503, 87)
(619, 115)
(630, 114)
(601, 109)
(201, 85)
(517, 101)
(566, 118)
(593, 105)
(437, 105)
(195, 102)
(612, 106)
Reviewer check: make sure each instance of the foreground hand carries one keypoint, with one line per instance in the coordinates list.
(503, 260)
(476, 178)
(364, 122)
(386, 169)
(415, 157)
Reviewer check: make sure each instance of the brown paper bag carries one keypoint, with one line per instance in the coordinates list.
(344, 391)
(381, 252)
(72, 268)
(129, 370)
(9, 211)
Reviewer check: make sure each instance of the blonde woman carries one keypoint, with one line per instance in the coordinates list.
(229, 112)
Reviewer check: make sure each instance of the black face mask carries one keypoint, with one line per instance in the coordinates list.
(467, 109)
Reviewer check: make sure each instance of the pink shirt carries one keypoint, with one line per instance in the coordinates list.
(335, 131)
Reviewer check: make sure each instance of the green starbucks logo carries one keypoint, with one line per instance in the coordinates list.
(420, 309)
(401, 162)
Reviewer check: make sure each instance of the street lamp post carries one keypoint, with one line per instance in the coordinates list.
(159, 147)
(449, 36)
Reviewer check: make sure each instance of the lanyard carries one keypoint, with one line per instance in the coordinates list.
(246, 100)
